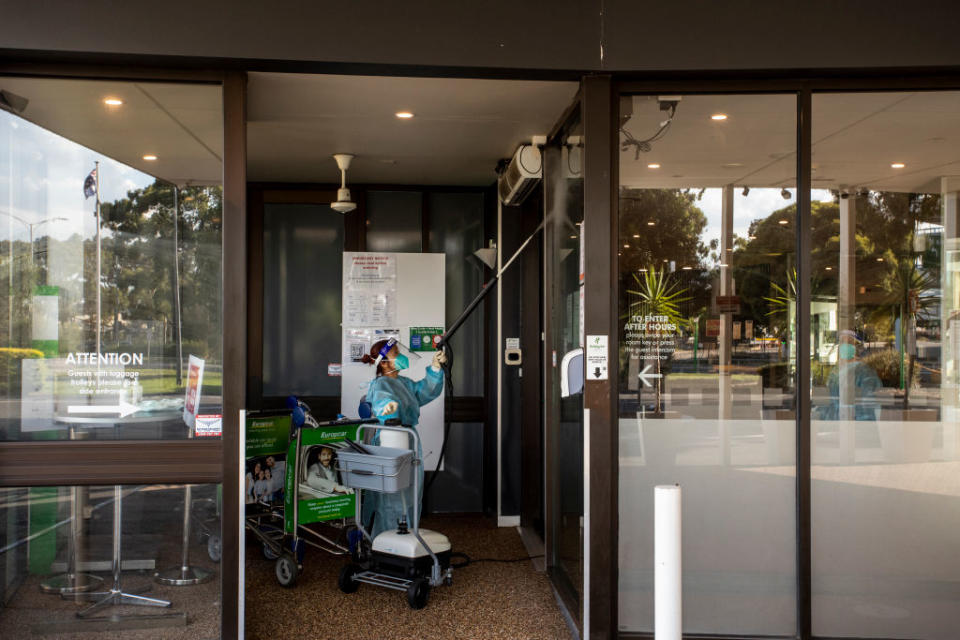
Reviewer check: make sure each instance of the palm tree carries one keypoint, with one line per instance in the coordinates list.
(659, 295)
(904, 282)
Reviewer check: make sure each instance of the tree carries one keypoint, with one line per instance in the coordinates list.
(658, 295)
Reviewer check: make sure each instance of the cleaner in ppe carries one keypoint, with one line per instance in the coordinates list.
(394, 396)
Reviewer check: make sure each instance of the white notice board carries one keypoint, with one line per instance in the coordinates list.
(385, 294)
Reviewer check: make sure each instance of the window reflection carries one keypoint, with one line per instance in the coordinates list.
(111, 262)
(707, 310)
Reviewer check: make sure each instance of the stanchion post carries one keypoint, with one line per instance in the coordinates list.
(668, 585)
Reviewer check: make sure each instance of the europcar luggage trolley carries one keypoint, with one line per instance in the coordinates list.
(281, 526)
(407, 559)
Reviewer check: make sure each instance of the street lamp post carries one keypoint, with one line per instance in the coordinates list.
(30, 227)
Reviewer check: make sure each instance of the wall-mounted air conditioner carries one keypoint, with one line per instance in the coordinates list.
(522, 175)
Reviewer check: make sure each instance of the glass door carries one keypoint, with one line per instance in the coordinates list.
(563, 277)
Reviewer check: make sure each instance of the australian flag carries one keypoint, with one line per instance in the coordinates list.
(90, 184)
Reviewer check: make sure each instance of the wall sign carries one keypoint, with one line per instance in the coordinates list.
(597, 357)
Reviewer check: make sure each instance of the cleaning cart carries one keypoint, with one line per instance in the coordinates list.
(407, 559)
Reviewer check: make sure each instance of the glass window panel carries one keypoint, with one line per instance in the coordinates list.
(46, 532)
(563, 191)
(110, 237)
(393, 221)
(456, 230)
(706, 376)
(884, 355)
(302, 271)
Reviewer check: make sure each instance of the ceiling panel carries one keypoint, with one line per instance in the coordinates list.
(179, 123)
(460, 130)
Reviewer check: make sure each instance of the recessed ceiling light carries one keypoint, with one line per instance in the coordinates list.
(718, 116)
(573, 237)
(829, 268)
(687, 268)
(651, 224)
(404, 115)
(751, 237)
(641, 270)
(626, 246)
(879, 259)
(783, 221)
(112, 102)
(653, 165)
(149, 157)
(636, 235)
(897, 165)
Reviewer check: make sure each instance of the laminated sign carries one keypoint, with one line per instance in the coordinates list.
(597, 360)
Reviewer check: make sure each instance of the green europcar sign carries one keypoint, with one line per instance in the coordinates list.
(267, 435)
(315, 506)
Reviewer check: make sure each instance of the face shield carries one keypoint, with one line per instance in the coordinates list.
(397, 354)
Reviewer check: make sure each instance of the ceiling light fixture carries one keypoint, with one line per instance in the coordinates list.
(636, 235)
(404, 115)
(651, 224)
(829, 268)
(897, 165)
(746, 191)
(343, 204)
(653, 165)
(626, 246)
(718, 116)
(687, 268)
(785, 194)
(112, 102)
(149, 157)
(783, 221)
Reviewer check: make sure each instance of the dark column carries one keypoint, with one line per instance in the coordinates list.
(600, 396)
(234, 338)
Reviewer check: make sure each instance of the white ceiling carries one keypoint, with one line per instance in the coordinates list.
(297, 122)
(459, 131)
(182, 124)
(462, 127)
(856, 137)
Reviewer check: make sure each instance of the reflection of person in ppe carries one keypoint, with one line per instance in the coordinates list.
(852, 383)
(322, 473)
(392, 395)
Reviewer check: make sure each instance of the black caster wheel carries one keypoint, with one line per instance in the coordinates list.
(269, 553)
(418, 593)
(287, 570)
(214, 550)
(345, 581)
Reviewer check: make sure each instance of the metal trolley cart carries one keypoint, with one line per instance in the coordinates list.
(394, 559)
(281, 527)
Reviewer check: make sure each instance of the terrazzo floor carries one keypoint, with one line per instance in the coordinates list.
(487, 600)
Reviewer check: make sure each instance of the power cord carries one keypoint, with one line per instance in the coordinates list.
(468, 561)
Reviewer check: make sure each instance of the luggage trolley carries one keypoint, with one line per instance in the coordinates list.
(395, 559)
(281, 527)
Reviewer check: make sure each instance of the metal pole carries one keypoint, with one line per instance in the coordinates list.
(176, 283)
(72, 581)
(184, 575)
(96, 167)
(116, 595)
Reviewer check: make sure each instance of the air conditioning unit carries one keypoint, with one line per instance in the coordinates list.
(521, 176)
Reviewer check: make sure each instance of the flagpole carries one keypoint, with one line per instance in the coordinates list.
(97, 177)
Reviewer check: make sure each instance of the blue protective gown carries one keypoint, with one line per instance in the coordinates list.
(410, 395)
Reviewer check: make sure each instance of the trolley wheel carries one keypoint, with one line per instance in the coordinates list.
(448, 580)
(418, 593)
(214, 550)
(345, 581)
(287, 570)
(269, 553)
